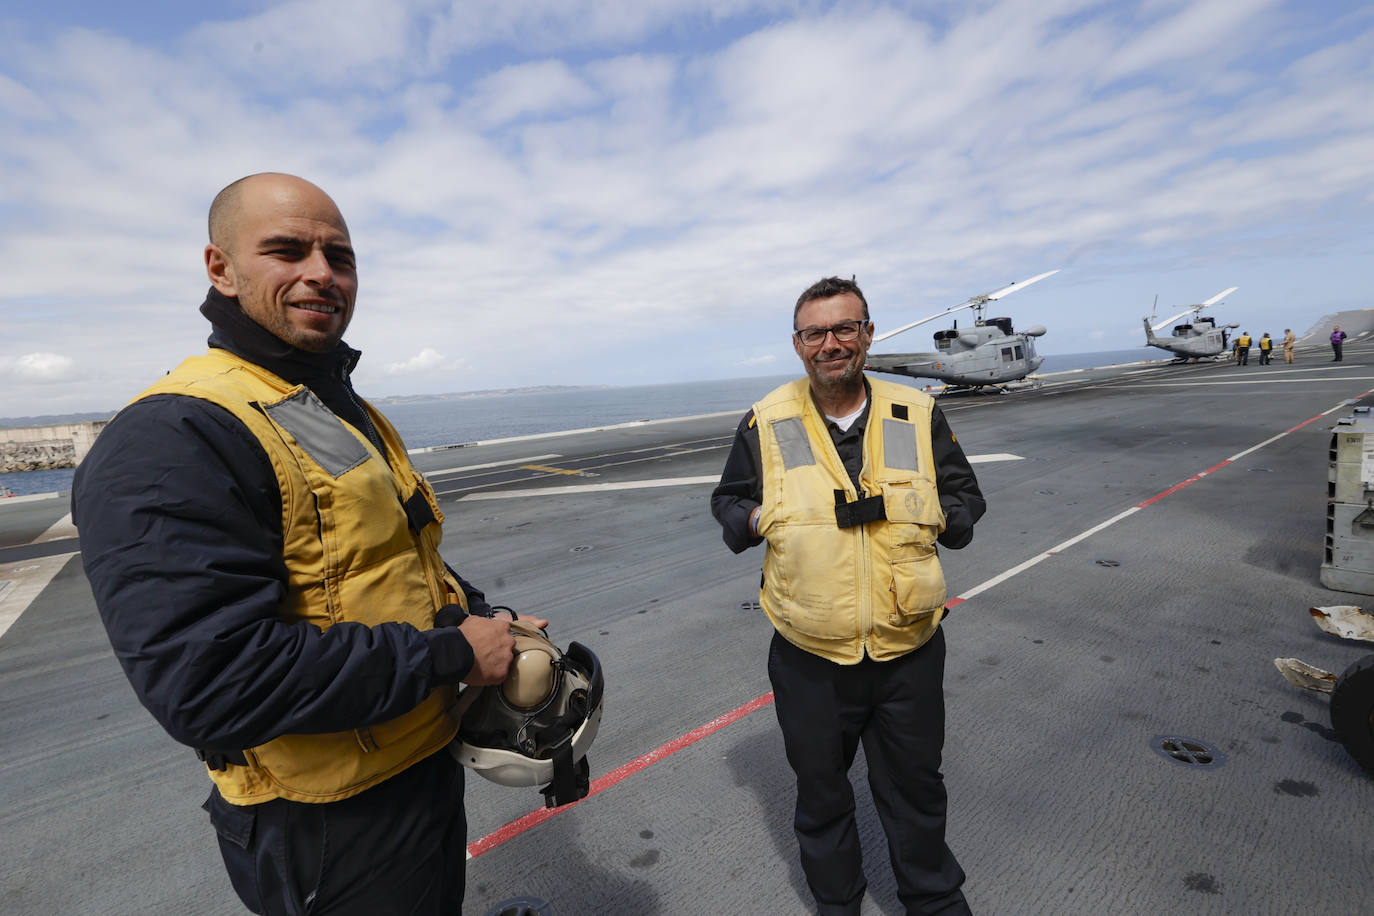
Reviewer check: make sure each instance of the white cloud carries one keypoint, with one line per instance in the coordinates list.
(427, 360)
(567, 193)
(39, 367)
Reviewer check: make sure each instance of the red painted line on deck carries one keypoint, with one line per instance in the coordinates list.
(1179, 486)
(600, 784)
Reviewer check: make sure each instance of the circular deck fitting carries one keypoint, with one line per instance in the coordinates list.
(1187, 751)
(1110, 564)
(1260, 470)
(750, 606)
(580, 548)
(1046, 492)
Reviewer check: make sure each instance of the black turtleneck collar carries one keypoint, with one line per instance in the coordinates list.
(236, 332)
(326, 374)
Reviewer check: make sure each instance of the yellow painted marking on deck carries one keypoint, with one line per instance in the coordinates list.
(547, 470)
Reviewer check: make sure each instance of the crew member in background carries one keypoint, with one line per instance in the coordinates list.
(1289, 341)
(266, 563)
(1337, 342)
(1266, 347)
(851, 481)
(1243, 349)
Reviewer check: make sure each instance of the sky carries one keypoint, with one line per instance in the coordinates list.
(623, 192)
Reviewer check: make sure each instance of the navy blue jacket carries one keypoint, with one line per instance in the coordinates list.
(179, 514)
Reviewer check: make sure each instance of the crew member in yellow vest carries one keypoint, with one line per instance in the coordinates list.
(851, 481)
(266, 562)
(1243, 349)
(1266, 348)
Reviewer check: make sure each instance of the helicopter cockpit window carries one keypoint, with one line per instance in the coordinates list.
(1020, 353)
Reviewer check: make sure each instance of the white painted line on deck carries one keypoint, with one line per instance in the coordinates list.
(660, 482)
(1256, 381)
(494, 464)
(595, 487)
(1120, 516)
(574, 432)
(29, 498)
(62, 528)
(27, 579)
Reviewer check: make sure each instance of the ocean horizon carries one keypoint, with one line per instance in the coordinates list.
(425, 421)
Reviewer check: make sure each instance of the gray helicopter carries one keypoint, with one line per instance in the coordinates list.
(988, 354)
(1196, 338)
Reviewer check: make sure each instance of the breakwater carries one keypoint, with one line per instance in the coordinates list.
(40, 448)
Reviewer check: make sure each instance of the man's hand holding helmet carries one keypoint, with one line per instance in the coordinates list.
(493, 647)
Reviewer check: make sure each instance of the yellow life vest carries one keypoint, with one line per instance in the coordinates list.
(874, 587)
(1244, 340)
(346, 540)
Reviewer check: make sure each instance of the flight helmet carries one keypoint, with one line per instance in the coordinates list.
(535, 728)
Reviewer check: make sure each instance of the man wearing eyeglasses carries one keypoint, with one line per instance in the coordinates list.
(851, 481)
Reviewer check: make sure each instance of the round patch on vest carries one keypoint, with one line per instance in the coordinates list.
(913, 503)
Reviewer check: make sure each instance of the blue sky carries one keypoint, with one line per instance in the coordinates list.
(563, 192)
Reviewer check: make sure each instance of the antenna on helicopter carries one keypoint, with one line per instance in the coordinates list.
(976, 302)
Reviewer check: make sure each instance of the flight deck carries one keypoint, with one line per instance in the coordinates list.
(1153, 541)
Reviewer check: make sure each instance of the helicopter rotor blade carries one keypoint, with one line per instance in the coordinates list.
(1018, 285)
(1219, 296)
(916, 324)
(1168, 321)
(1194, 309)
(971, 303)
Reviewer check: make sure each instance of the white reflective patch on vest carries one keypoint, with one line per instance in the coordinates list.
(899, 445)
(793, 443)
(319, 432)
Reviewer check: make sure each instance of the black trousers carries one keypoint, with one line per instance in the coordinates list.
(896, 708)
(398, 848)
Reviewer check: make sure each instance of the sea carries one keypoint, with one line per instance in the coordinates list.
(451, 420)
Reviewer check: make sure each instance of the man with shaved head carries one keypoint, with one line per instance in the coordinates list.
(266, 562)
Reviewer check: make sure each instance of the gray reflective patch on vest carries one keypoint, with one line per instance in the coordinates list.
(899, 445)
(321, 434)
(792, 442)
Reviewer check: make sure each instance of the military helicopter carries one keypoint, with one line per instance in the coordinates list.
(986, 355)
(1201, 337)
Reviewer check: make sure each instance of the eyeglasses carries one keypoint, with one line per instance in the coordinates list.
(845, 331)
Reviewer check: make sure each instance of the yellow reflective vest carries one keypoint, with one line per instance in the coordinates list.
(876, 587)
(346, 540)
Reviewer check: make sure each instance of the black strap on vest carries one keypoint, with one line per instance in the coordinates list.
(418, 512)
(220, 760)
(860, 512)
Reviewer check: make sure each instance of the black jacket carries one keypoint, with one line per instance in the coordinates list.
(180, 520)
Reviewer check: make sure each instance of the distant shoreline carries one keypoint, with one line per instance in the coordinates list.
(84, 416)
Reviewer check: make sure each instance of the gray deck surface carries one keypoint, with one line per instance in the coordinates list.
(1058, 679)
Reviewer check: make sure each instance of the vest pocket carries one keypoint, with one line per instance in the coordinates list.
(918, 585)
(806, 579)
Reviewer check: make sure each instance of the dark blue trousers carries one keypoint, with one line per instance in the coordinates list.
(897, 709)
(398, 848)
